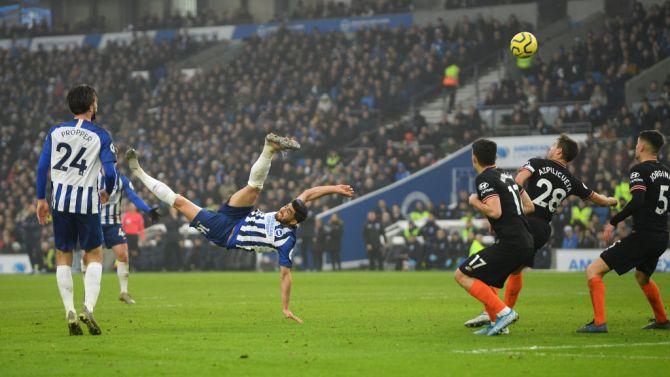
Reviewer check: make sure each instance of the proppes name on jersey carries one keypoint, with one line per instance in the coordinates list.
(77, 132)
(551, 170)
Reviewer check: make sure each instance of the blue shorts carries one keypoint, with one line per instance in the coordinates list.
(113, 235)
(72, 229)
(216, 226)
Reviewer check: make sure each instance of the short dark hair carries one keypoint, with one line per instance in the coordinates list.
(569, 147)
(81, 98)
(301, 210)
(654, 138)
(485, 150)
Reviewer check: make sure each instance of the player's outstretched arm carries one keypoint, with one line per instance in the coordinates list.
(319, 191)
(286, 281)
(490, 208)
(602, 200)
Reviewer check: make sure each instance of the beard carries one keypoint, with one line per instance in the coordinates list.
(93, 117)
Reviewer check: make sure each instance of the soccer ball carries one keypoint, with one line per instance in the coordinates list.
(523, 45)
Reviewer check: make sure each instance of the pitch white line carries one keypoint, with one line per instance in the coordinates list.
(561, 347)
(601, 356)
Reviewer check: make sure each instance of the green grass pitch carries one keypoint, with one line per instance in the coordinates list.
(356, 324)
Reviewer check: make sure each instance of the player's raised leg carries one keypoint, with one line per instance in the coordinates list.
(248, 195)
(653, 295)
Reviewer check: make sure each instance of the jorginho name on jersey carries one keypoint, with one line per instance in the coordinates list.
(654, 178)
(77, 149)
(111, 211)
(262, 233)
(551, 182)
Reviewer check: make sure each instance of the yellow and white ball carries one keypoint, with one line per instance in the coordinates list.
(523, 45)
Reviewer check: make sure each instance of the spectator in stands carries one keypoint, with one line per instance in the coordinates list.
(442, 211)
(429, 229)
(420, 213)
(374, 239)
(437, 249)
(412, 230)
(570, 238)
(415, 253)
(581, 214)
(321, 240)
(173, 242)
(458, 251)
(49, 257)
(476, 242)
(336, 228)
(306, 232)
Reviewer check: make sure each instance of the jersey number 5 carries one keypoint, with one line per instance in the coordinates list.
(662, 198)
(77, 161)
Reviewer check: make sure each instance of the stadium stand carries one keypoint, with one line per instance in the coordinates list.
(594, 68)
(325, 103)
(208, 17)
(332, 9)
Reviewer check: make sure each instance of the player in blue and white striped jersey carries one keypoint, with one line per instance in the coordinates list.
(236, 225)
(113, 235)
(74, 152)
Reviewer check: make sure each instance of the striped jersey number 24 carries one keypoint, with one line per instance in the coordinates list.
(77, 162)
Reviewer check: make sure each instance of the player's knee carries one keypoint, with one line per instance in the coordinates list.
(642, 278)
(590, 271)
(596, 268)
(94, 255)
(179, 202)
(122, 256)
(459, 276)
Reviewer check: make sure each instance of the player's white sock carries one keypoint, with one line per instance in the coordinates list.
(158, 188)
(83, 266)
(504, 311)
(122, 273)
(260, 168)
(65, 287)
(92, 285)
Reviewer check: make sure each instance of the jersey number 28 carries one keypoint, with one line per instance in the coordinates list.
(557, 195)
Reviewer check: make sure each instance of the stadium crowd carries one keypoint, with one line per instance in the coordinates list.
(206, 17)
(597, 67)
(200, 134)
(98, 24)
(290, 88)
(338, 9)
(455, 4)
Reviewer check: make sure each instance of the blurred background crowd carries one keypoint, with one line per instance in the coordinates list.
(346, 98)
